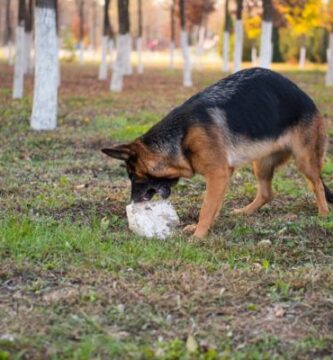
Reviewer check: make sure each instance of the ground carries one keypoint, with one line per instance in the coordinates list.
(76, 284)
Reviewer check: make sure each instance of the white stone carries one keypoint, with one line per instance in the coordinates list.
(152, 218)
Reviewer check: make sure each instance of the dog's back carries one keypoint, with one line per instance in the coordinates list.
(254, 104)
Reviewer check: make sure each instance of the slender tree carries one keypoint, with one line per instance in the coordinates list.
(187, 72)
(197, 15)
(173, 34)
(44, 110)
(328, 22)
(139, 38)
(127, 25)
(302, 17)
(28, 38)
(122, 64)
(93, 25)
(226, 36)
(266, 34)
(238, 48)
(103, 68)
(18, 84)
(9, 32)
(80, 6)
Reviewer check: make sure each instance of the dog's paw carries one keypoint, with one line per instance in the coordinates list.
(190, 229)
(242, 211)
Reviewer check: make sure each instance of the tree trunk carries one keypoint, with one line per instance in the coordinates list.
(302, 57)
(58, 43)
(187, 72)
(173, 35)
(28, 65)
(9, 33)
(44, 110)
(238, 49)
(139, 39)
(81, 31)
(93, 20)
(103, 68)
(122, 65)
(201, 40)
(266, 35)
(254, 55)
(226, 37)
(329, 75)
(19, 58)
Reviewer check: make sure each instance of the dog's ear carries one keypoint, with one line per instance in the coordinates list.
(120, 152)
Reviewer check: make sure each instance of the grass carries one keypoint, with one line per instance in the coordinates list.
(76, 284)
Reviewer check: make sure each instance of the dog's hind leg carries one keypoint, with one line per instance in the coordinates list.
(309, 150)
(264, 171)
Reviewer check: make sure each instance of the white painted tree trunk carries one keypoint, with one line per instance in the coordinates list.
(266, 44)
(238, 49)
(118, 68)
(226, 41)
(44, 110)
(103, 67)
(127, 63)
(10, 53)
(172, 55)
(81, 53)
(139, 52)
(58, 60)
(200, 46)
(19, 64)
(302, 57)
(329, 75)
(254, 56)
(28, 67)
(111, 52)
(187, 71)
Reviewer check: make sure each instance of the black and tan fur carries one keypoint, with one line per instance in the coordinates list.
(256, 116)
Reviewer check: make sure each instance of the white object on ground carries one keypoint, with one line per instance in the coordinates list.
(152, 218)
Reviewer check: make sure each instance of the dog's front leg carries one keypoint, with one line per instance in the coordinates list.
(216, 185)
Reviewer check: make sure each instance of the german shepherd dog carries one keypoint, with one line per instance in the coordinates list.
(254, 115)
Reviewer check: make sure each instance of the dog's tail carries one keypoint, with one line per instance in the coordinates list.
(328, 193)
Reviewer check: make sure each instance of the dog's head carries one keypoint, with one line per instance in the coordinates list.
(150, 172)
